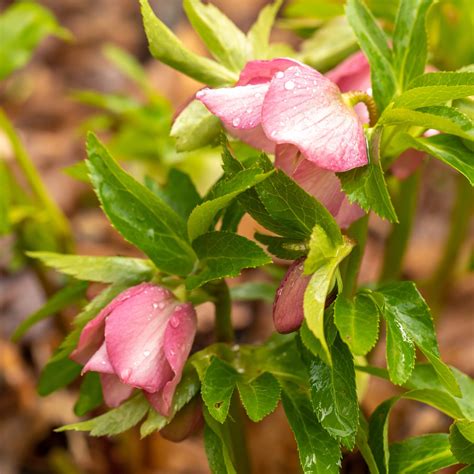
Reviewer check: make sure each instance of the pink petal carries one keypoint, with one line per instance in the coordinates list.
(407, 163)
(348, 213)
(179, 337)
(288, 305)
(92, 335)
(99, 362)
(114, 391)
(304, 108)
(353, 74)
(134, 335)
(262, 71)
(255, 137)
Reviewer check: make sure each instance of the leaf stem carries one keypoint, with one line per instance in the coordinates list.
(405, 202)
(223, 305)
(59, 221)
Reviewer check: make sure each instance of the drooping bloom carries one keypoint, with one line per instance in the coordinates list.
(141, 339)
(285, 107)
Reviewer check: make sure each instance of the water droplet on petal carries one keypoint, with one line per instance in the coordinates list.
(103, 362)
(155, 305)
(236, 122)
(146, 353)
(174, 321)
(273, 133)
(289, 85)
(249, 110)
(279, 74)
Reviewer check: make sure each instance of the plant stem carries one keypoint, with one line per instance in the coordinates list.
(459, 226)
(225, 333)
(351, 265)
(59, 221)
(405, 203)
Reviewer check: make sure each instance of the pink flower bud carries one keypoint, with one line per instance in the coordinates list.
(141, 339)
(288, 304)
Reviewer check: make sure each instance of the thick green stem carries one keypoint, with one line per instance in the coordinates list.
(351, 265)
(405, 203)
(459, 226)
(59, 221)
(223, 306)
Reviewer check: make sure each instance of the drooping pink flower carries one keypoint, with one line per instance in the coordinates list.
(285, 107)
(141, 339)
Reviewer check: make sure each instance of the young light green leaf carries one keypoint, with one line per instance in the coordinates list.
(224, 254)
(23, 26)
(466, 428)
(436, 88)
(115, 421)
(195, 127)
(100, 269)
(224, 192)
(409, 40)
(60, 300)
(374, 43)
(357, 322)
(367, 187)
(461, 446)
(217, 388)
(318, 451)
(90, 394)
(406, 308)
(223, 39)
(140, 216)
(333, 393)
(421, 454)
(447, 148)
(258, 35)
(166, 47)
(259, 396)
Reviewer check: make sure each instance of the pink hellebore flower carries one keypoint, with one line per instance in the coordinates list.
(285, 107)
(141, 339)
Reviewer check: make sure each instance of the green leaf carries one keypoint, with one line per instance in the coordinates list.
(223, 39)
(224, 254)
(357, 322)
(367, 187)
(421, 454)
(466, 428)
(223, 193)
(409, 40)
(461, 446)
(362, 442)
(5, 199)
(400, 351)
(195, 127)
(23, 26)
(57, 374)
(442, 118)
(318, 451)
(436, 88)
(323, 259)
(253, 291)
(60, 300)
(333, 393)
(115, 421)
(140, 216)
(288, 249)
(179, 193)
(258, 35)
(100, 269)
(374, 43)
(259, 396)
(406, 307)
(447, 148)
(217, 388)
(90, 394)
(167, 48)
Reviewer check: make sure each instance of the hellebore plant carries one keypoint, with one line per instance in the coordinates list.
(318, 149)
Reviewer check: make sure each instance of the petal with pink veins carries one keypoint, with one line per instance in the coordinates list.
(262, 71)
(114, 391)
(304, 108)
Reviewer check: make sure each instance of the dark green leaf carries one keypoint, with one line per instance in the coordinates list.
(374, 43)
(100, 269)
(362, 442)
(259, 396)
(140, 216)
(57, 374)
(318, 451)
(409, 40)
(224, 254)
(421, 454)
(195, 127)
(461, 446)
(166, 47)
(288, 249)
(357, 322)
(60, 300)
(114, 421)
(223, 39)
(90, 394)
(217, 388)
(253, 291)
